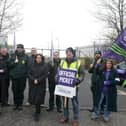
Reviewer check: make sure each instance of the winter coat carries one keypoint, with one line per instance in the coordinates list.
(37, 91)
(20, 69)
(94, 78)
(52, 70)
(4, 62)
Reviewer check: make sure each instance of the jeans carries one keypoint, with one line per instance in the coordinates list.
(106, 112)
(75, 107)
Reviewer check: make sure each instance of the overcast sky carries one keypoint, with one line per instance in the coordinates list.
(69, 21)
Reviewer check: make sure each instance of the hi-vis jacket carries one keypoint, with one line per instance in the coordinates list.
(74, 65)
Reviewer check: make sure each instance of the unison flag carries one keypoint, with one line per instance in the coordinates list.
(118, 49)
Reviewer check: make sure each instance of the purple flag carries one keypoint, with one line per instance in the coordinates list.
(112, 55)
(118, 49)
(121, 39)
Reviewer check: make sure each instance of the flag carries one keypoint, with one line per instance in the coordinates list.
(118, 49)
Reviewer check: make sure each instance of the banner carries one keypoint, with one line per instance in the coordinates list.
(118, 49)
(66, 83)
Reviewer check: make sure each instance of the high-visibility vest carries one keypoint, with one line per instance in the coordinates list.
(73, 66)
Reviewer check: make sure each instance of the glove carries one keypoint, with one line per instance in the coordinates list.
(107, 82)
(77, 82)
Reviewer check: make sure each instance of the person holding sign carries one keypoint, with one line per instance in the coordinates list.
(70, 75)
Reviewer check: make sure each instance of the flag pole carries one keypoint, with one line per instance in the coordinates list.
(14, 42)
(52, 49)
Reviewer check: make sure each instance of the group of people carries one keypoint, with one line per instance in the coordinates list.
(18, 67)
(104, 81)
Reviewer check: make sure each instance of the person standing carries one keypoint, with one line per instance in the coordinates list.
(37, 80)
(95, 78)
(72, 63)
(31, 62)
(106, 89)
(4, 76)
(53, 68)
(18, 74)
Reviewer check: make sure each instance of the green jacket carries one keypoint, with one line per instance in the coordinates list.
(95, 78)
(20, 69)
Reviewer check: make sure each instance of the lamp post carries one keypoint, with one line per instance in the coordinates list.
(48, 48)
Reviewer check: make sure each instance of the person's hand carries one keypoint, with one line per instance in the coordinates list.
(16, 60)
(107, 82)
(35, 81)
(1, 70)
(91, 65)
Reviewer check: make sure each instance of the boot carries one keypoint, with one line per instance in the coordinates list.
(36, 117)
(64, 120)
(59, 110)
(75, 123)
(49, 109)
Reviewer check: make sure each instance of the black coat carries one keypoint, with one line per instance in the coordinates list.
(37, 91)
(94, 78)
(4, 65)
(52, 70)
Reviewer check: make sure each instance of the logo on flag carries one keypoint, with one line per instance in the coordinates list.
(118, 49)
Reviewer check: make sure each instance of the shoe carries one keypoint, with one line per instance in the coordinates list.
(27, 104)
(59, 110)
(75, 123)
(91, 110)
(64, 120)
(106, 118)
(36, 117)
(42, 105)
(49, 109)
(15, 107)
(20, 108)
(5, 105)
(94, 115)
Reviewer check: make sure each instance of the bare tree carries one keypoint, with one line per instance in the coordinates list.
(113, 14)
(10, 16)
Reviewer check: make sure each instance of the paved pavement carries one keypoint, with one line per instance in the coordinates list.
(24, 118)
